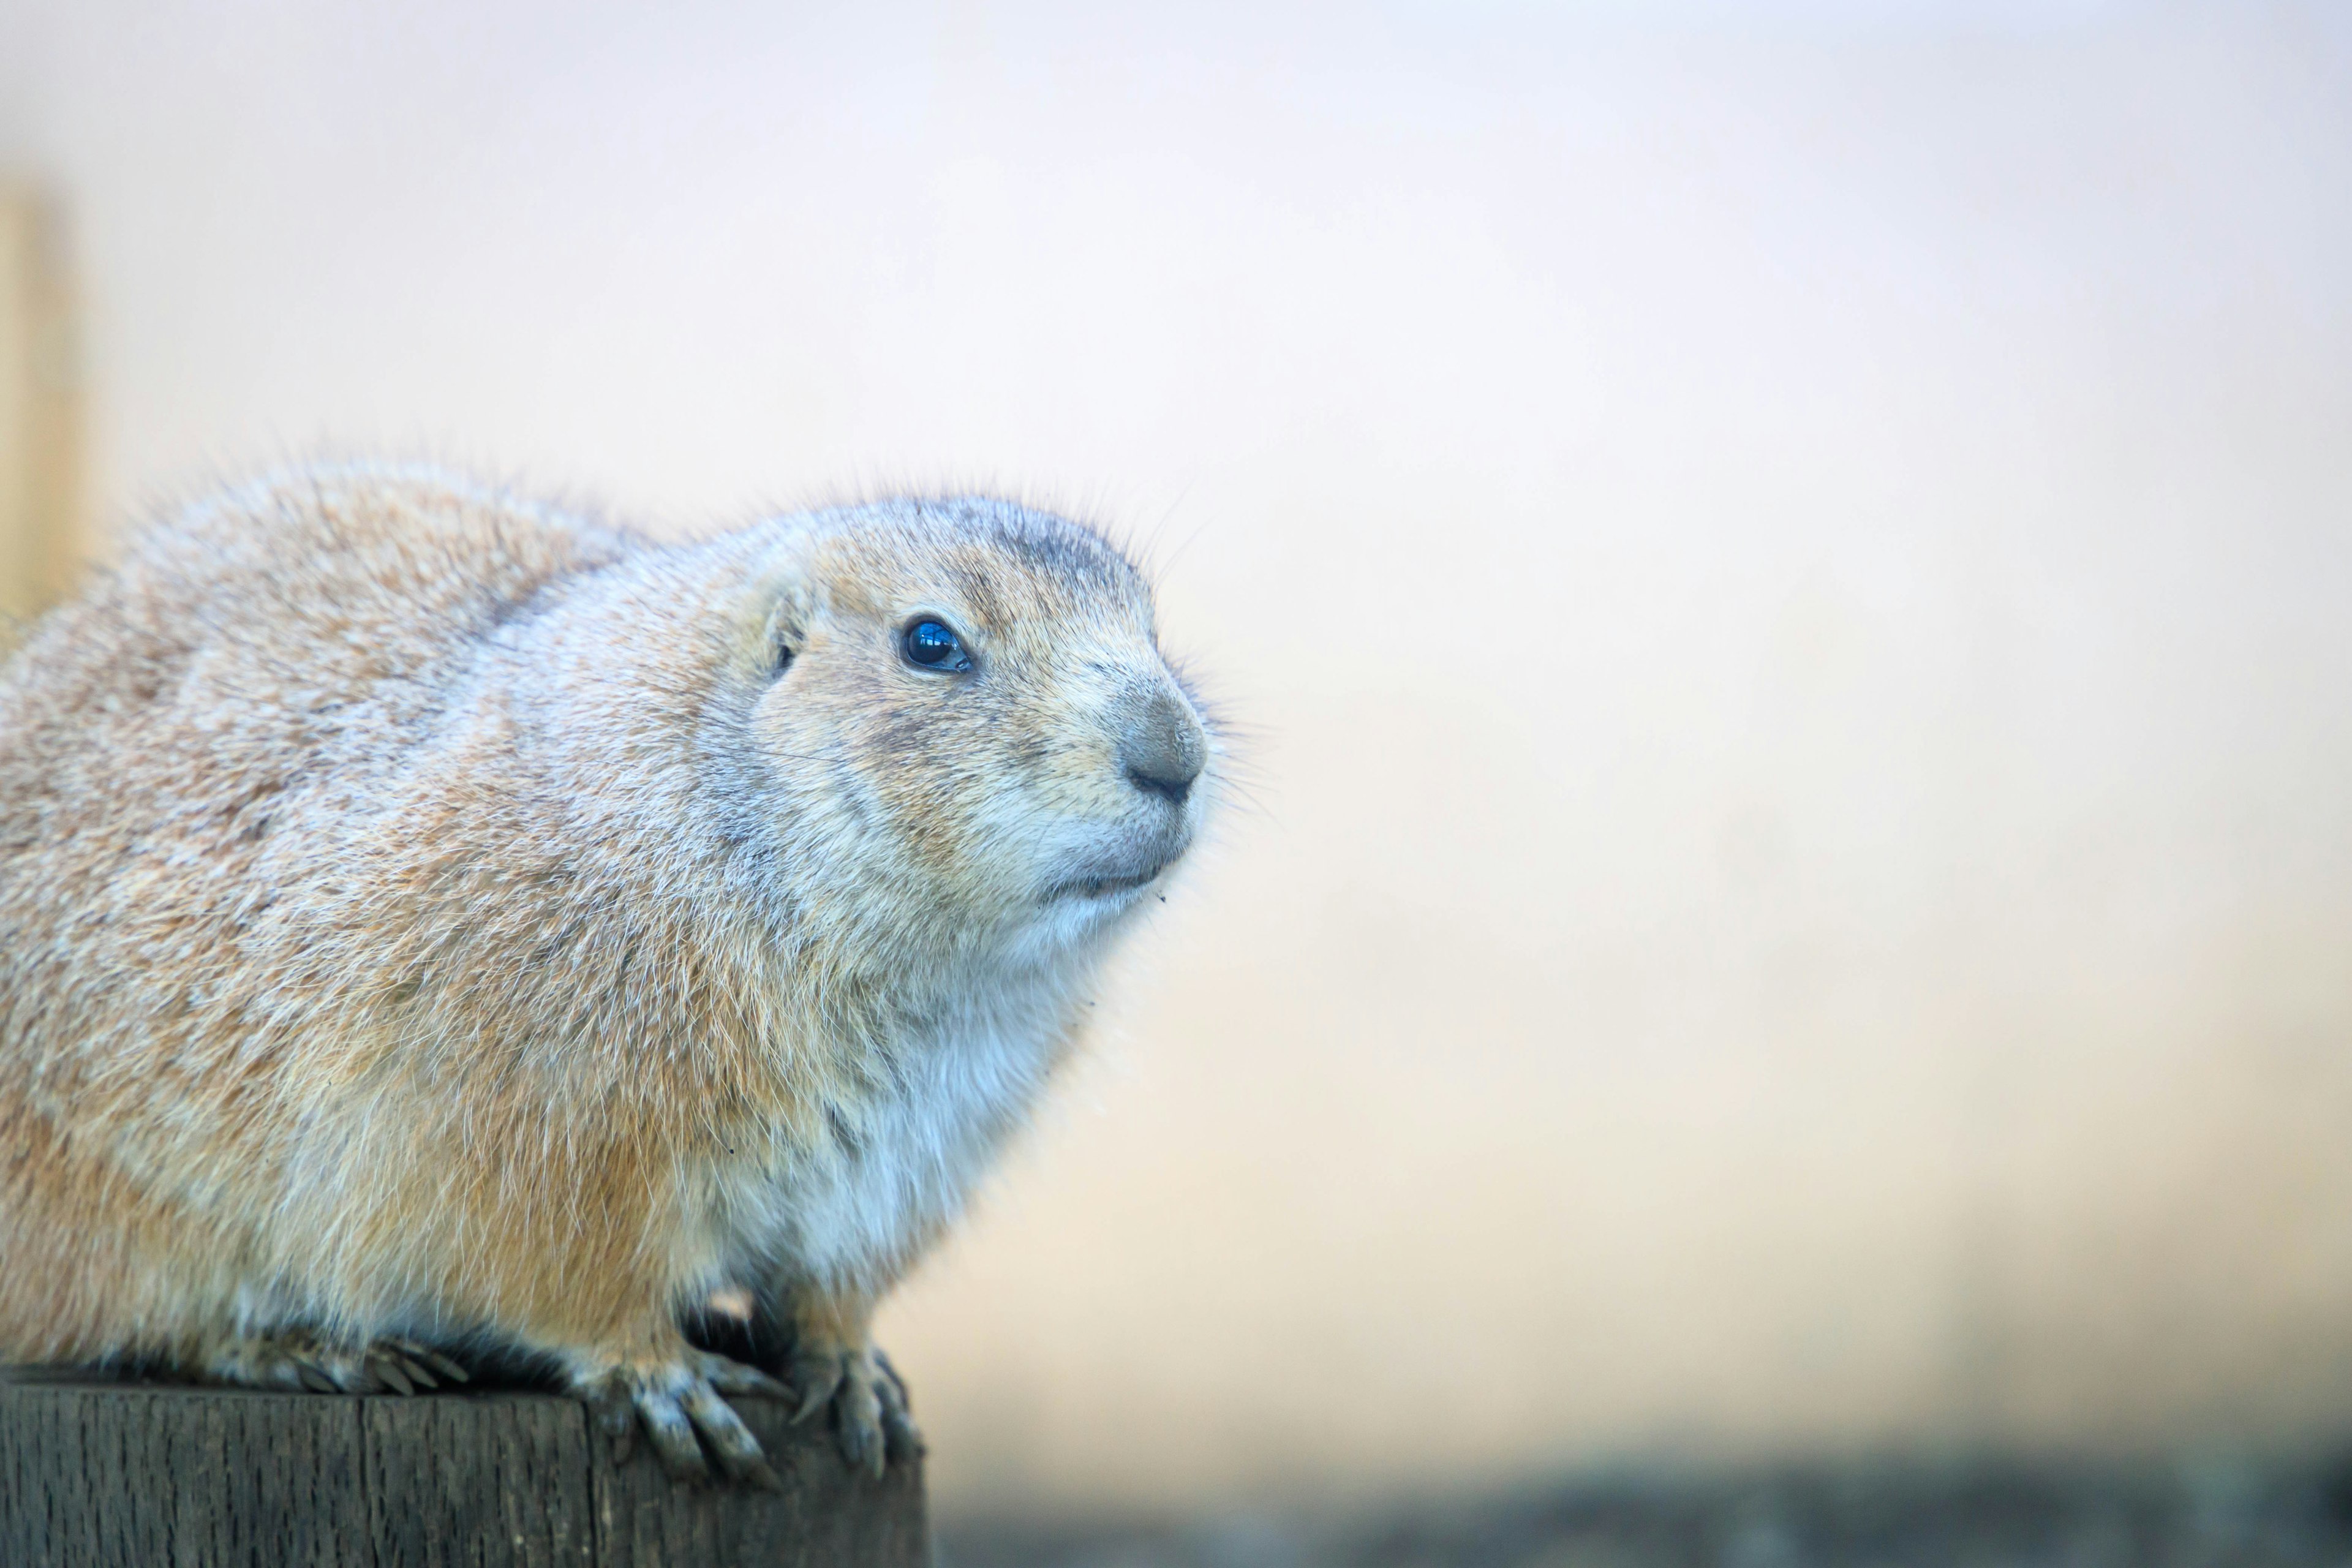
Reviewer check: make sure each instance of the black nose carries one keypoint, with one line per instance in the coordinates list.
(1163, 750)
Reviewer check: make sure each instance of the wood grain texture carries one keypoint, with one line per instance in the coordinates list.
(97, 1473)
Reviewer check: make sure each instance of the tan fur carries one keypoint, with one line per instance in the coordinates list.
(425, 914)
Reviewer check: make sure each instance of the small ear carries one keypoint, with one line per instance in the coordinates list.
(778, 610)
(782, 634)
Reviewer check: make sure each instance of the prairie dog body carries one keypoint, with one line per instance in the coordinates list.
(429, 919)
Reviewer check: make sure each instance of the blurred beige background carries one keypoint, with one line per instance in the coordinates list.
(43, 532)
(1785, 573)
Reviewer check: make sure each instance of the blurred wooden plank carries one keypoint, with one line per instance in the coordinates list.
(512, 1469)
(97, 1472)
(827, 1514)
(40, 416)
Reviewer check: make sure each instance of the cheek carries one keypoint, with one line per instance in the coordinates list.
(982, 798)
(935, 776)
(972, 797)
(1059, 768)
(856, 774)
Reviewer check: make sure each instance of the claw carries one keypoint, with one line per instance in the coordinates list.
(863, 1449)
(309, 1359)
(672, 1435)
(616, 1419)
(897, 1384)
(422, 1360)
(427, 1356)
(737, 1378)
(738, 1451)
(817, 1379)
(900, 1438)
(857, 1415)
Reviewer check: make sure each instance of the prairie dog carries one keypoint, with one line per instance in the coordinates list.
(430, 921)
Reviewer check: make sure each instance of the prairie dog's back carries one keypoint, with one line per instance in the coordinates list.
(302, 597)
(274, 640)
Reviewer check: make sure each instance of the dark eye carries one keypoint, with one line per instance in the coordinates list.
(933, 646)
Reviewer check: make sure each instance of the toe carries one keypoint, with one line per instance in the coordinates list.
(895, 1386)
(861, 1445)
(616, 1417)
(733, 1377)
(900, 1438)
(672, 1435)
(857, 1413)
(738, 1450)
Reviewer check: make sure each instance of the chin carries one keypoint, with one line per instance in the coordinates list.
(1074, 921)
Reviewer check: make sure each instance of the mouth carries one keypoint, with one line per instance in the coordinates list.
(1107, 887)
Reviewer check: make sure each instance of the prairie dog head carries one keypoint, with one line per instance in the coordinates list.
(968, 740)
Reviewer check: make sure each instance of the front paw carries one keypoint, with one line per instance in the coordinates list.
(306, 1359)
(676, 1399)
(868, 1401)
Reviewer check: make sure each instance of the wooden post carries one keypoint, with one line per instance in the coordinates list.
(98, 1473)
(40, 445)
